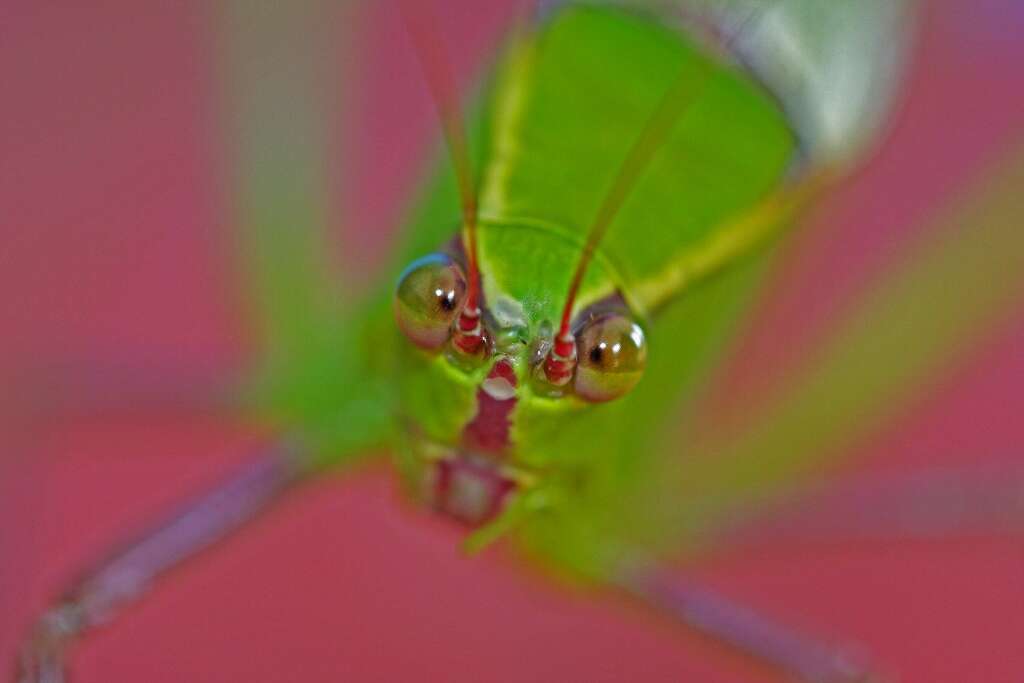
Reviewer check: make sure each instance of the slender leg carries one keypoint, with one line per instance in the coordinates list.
(752, 634)
(935, 504)
(127, 574)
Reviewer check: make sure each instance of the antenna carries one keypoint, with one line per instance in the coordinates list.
(422, 29)
(561, 360)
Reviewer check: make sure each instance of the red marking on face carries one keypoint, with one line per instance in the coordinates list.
(488, 432)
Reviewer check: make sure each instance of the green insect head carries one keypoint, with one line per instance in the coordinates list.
(493, 356)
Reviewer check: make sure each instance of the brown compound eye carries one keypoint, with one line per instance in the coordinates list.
(612, 355)
(429, 296)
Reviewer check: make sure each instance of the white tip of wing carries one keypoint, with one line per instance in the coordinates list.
(834, 66)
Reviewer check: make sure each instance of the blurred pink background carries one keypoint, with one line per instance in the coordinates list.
(112, 209)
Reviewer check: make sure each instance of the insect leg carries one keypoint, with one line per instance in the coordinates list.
(713, 615)
(127, 574)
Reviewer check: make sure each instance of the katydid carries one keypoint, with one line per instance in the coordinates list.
(620, 185)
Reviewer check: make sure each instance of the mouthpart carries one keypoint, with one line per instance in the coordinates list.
(471, 489)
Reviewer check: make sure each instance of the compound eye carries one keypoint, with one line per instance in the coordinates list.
(429, 295)
(612, 356)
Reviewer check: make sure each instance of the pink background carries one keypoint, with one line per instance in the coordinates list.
(110, 207)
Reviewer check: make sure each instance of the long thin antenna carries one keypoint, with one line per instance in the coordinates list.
(562, 359)
(423, 31)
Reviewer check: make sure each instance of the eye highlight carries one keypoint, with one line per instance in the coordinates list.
(429, 296)
(612, 354)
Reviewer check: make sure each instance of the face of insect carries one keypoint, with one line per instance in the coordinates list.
(469, 463)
